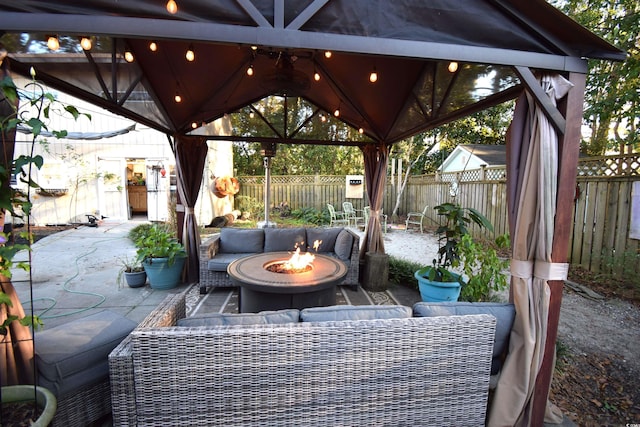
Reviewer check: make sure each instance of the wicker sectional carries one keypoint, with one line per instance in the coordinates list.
(386, 372)
(214, 246)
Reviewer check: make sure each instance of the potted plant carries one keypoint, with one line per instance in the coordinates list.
(132, 272)
(443, 281)
(162, 256)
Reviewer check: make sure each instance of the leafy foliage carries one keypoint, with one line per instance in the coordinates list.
(311, 216)
(401, 271)
(484, 268)
(158, 242)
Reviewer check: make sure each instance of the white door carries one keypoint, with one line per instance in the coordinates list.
(157, 190)
(112, 184)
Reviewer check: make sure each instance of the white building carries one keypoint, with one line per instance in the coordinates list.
(131, 172)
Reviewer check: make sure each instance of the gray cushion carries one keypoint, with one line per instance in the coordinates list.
(351, 312)
(344, 242)
(79, 345)
(503, 312)
(262, 318)
(221, 261)
(241, 240)
(284, 239)
(327, 236)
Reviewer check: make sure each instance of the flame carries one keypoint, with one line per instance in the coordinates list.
(300, 261)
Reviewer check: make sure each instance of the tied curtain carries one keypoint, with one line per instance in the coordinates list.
(532, 156)
(191, 154)
(375, 175)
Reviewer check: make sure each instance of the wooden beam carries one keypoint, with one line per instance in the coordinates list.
(569, 147)
(541, 98)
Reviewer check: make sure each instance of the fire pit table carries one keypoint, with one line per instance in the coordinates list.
(261, 289)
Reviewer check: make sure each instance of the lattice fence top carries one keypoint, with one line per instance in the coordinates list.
(295, 179)
(610, 166)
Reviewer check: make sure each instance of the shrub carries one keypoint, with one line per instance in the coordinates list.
(401, 272)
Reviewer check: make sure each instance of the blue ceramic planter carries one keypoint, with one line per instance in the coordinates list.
(437, 291)
(162, 275)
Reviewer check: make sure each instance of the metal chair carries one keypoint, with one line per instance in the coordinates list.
(416, 218)
(337, 217)
(383, 218)
(352, 214)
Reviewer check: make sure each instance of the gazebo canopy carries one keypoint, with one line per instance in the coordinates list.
(410, 44)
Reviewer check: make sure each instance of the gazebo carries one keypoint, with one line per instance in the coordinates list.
(387, 69)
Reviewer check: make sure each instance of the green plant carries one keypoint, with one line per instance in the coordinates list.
(159, 242)
(484, 268)
(311, 216)
(401, 271)
(128, 265)
(456, 222)
(138, 231)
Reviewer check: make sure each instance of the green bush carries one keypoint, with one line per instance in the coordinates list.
(401, 272)
(139, 231)
(311, 216)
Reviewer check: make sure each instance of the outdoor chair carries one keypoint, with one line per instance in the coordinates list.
(416, 218)
(352, 214)
(337, 217)
(383, 218)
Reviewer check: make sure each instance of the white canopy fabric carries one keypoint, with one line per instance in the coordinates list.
(533, 172)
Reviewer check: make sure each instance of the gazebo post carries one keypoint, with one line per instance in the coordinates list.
(568, 147)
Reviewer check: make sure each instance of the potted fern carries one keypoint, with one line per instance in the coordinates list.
(161, 255)
(457, 254)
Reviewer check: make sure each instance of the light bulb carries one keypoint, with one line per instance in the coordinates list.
(361, 130)
(190, 55)
(316, 76)
(250, 70)
(337, 112)
(251, 115)
(128, 56)
(177, 98)
(194, 125)
(453, 67)
(323, 118)
(153, 46)
(53, 43)
(327, 54)
(85, 42)
(373, 77)
(172, 7)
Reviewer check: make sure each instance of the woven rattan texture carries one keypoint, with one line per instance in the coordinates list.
(83, 406)
(418, 371)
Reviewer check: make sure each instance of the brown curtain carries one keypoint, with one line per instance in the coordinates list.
(16, 358)
(191, 154)
(375, 175)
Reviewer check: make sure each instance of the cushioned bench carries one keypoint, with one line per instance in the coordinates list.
(72, 362)
(217, 252)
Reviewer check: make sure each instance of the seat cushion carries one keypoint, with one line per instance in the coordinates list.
(351, 312)
(262, 318)
(80, 347)
(344, 242)
(222, 260)
(326, 237)
(284, 239)
(503, 312)
(241, 240)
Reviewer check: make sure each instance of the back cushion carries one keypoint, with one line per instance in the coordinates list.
(327, 236)
(241, 240)
(357, 312)
(344, 241)
(262, 318)
(284, 239)
(503, 312)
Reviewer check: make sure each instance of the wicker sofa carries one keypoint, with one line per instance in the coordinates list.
(386, 371)
(218, 251)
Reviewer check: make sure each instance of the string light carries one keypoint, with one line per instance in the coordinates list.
(190, 55)
(172, 7)
(194, 125)
(453, 67)
(316, 75)
(373, 77)
(53, 43)
(361, 130)
(337, 112)
(327, 54)
(250, 70)
(128, 56)
(86, 44)
(177, 98)
(153, 46)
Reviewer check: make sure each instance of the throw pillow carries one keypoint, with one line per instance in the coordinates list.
(327, 237)
(350, 312)
(284, 239)
(239, 240)
(344, 241)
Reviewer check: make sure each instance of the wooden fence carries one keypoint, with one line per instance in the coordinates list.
(602, 211)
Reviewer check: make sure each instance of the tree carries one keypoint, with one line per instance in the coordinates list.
(612, 109)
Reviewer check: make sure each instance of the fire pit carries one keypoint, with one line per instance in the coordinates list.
(265, 285)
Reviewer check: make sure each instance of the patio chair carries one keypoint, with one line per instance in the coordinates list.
(383, 218)
(416, 218)
(352, 214)
(337, 217)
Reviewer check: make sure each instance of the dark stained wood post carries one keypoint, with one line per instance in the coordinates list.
(569, 147)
